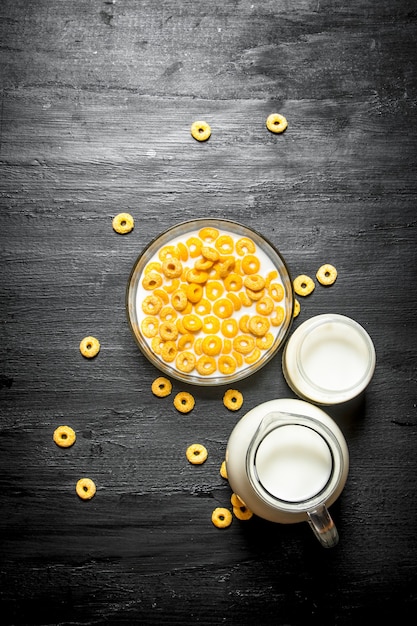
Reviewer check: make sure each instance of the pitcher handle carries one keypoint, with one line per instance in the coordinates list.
(323, 526)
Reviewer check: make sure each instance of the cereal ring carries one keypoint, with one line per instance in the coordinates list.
(197, 276)
(233, 400)
(172, 286)
(276, 123)
(157, 344)
(265, 342)
(254, 282)
(185, 361)
(192, 323)
(272, 275)
(297, 308)
(250, 264)
(64, 436)
(154, 266)
(203, 264)
(223, 470)
(276, 291)
(197, 346)
(89, 347)
(184, 402)
(151, 305)
(179, 300)
(168, 252)
(168, 314)
(194, 246)
(227, 364)
(85, 488)
(244, 324)
(172, 267)
(244, 245)
(326, 274)
(151, 280)
(223, 308)
(169, 351)
(242, 512)
(194, 292)
(161, 387)
(203, 307)
(224, 244)
(123, 223)
(244, 344)
(259, 325)
(238, 357)
(200, 130)
(196, 454)
(210, 253)
(236, 301)
(253, 356)
(222, 518)
(208, 234)
(182, 251)
(214, 289)
(227, 346)
(168, 331)
(229, 328)
(244, 298)
(233, 282)
(162, 294)
(265, 306)
(236, 500)
(303, 285)
(212, 345)
(186, 341)
(278, 316)
(149, 326)
(206, 365)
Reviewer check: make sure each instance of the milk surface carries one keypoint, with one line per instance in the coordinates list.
(293, 463)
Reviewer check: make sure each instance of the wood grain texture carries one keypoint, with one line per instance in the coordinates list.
(96, 103)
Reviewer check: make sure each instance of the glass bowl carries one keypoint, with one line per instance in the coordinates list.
(234, 350)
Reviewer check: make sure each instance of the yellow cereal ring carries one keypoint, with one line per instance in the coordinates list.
(238, 358)
(244, 344)
(229, 327)
(197, 276)
(254, 296)
(253, 357)
(85, 488)
(236, 500)
(244, 324)
(197, 346)
(326, 274)
(272, 275)
(185, 361)
(223, 308)
(180, 326)
(244, 245)
(210, 254)
(172, 268)
(161, 387)
(212, 345)
(123, 223)
(157, 344)
(297, 308)
(182, 251)
(168, 314)
(184, 402)
(169, 351)
(265, 306)
(208, 234)
(242, 512)
(203, 307)
(206, 365)
(151, 305)
(162, 294)
(227, 346)
(278, 316)
(192, 323)
(196, 454)
(233, 282)
(235, 300)
(168, 331)
(232, 399)
(214, 289)
(200, 130)
(179, 300)
(168, 252)
(244, 298)
(303, 285)
(64, 436)
(172, 286)
(185, 342)
(250, 264)
(203, 264)
(154, 266)
(225, 266)
(221, 517)
(254, 282)
(276, 123)
(224, 244)
(89, 347)
(223, 470)
(149, 326)
(194, 292)
(227, 364)
(276, 291)
(259, 325)
(265, 342)
(151, 280)
(194, 245)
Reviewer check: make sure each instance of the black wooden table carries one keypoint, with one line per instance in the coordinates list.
(97, 101)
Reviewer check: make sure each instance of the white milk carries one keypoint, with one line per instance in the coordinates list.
(293, 463)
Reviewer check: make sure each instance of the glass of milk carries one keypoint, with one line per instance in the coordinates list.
(329, 359)
(288, 461)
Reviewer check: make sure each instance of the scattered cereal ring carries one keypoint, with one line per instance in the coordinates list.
(210, 253)
(303, 285)
(222, 518)
(244, 344)
(168, 252)
(196, 453)
(203, 307)
(194, 245)
(297, 308)
(192, 323)
(200, 130)
(208, 234)
(276, 291)
(151, 280)
(276, 123)
(265, 306)
(254, 282)
(232, 399)
(151, 305)
(185, 361)
(186, 341)
(64, 436)
(179, 300)
(168, 314)
(223, 308)
(214, 289)
(244, 245)
(149, 326)
(250, 264)
(229, 328)
(242, 512)
(233, 282)
(184, 402)
(259, 325)
(265, 342)
(278, 316)
(236, 500)
(89, 347)
(168, 331)
(85, 488)
(161, 387)
(326, 274)
(206, 365)
(227, 364)
(224, 244)
(123, 223)
(194, 293)
(223, 470)
(172, 267)
(212, 345)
